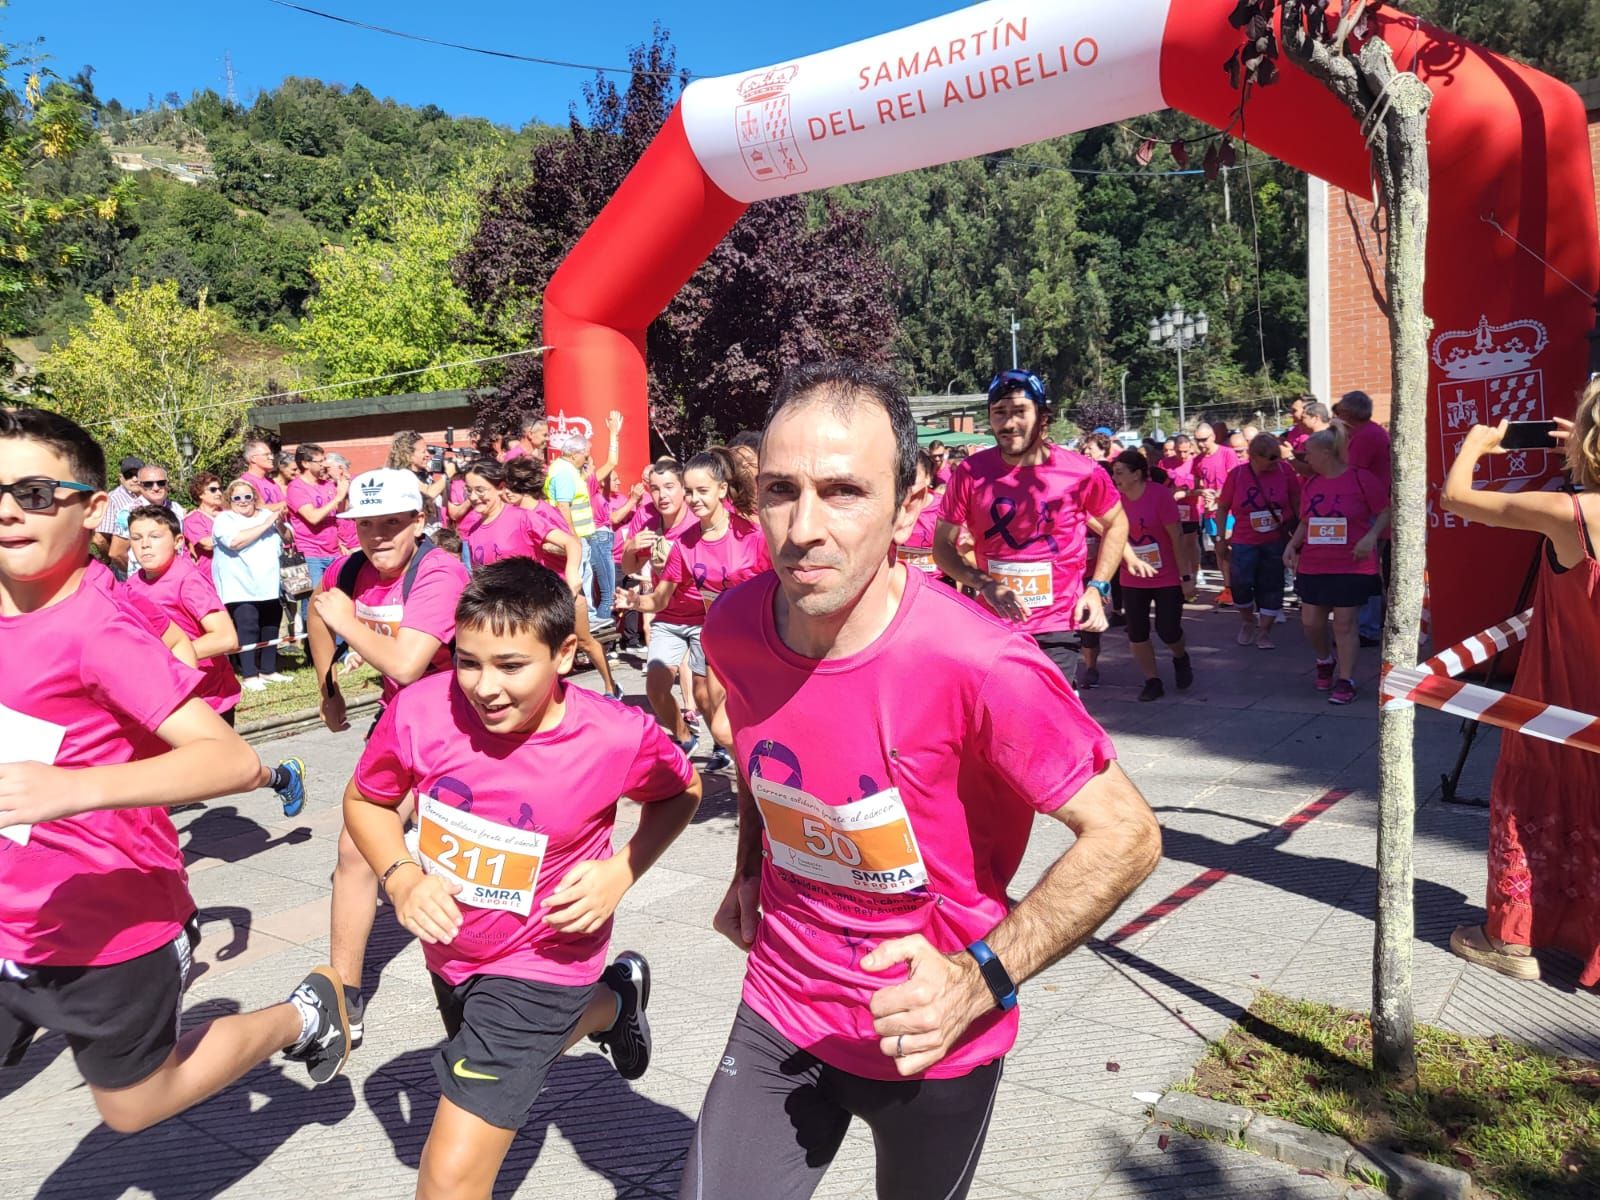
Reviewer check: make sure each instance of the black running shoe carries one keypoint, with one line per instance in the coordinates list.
(1183, 672)
(1153, 689)
(326, 1047)
(628, 1040)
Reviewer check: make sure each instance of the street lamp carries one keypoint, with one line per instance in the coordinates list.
(187, 451)
(1015, 326)
(1180, 331)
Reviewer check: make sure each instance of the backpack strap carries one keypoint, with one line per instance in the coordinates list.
(424, 546)
(349, 572)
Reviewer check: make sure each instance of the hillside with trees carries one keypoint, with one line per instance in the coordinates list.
(328, 234)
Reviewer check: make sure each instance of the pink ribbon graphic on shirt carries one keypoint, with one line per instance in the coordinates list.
(1004, 510)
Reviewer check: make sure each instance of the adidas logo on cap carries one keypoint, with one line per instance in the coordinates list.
(382, 492)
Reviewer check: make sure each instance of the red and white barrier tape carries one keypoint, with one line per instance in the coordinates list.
(290, 640)
(1430, 685)
(1480, 647)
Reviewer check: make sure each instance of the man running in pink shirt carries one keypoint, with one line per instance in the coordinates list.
(884, 955)
(1029, 505)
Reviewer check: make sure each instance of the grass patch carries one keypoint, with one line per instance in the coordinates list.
(282, 699)
(1525, 1124)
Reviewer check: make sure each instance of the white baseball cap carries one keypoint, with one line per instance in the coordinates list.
(382, 493)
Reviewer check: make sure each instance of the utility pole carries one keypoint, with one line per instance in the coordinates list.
(1015, 326)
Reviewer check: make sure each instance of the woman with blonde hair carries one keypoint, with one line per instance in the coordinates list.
(1544, 826)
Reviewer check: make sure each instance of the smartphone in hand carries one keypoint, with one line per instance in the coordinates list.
(1529, 435)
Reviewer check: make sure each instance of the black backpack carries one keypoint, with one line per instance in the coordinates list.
(351, 570)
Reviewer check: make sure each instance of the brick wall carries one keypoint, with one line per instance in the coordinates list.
(1358, 323)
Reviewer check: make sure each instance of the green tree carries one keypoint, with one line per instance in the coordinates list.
(144, 373)
(43, 120)
(386, 302)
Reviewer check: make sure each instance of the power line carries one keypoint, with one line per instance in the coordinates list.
(465, 362)
(433, 41)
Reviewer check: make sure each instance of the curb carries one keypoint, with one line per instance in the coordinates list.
(1401, 1175)
(257, 732)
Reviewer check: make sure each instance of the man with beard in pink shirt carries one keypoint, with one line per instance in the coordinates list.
(880, 821)
(1030, 506)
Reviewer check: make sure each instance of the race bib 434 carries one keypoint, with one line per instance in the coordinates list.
(1031, 581)
(867, 845)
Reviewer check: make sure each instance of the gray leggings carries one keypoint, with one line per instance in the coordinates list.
(775, 1115)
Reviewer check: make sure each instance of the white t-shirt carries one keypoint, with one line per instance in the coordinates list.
(250, 573)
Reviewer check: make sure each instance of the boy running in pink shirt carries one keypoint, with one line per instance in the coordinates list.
(510, 880)
(101, 729)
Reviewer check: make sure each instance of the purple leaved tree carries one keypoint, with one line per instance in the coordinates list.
(795, 280)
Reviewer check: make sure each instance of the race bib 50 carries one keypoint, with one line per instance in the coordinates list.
(867, 845)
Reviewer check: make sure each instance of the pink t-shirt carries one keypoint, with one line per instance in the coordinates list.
(187, 596)
(599, 502)
(321, 539)
(922, 804)
(196, 528)
(1368, 449)
(1029, 525)
(1148, 518)
(430, 608)
(144, 611)
(704, 569)
(645, 516)
(510, 535)
(349, 536)
(1180, 478)
(1337, 514)
(918, 548)
(455, 492)
(1261, 504)
(266, 489)
(105, 886)
(1296, 437)
(431, 741)
(1212, 471)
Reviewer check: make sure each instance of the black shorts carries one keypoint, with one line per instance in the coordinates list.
(1062, 649)
(121, 1021)
(1336, 591)
(775, 1116)
(504, 1035)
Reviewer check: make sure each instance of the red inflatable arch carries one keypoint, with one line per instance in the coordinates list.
(1506, 141)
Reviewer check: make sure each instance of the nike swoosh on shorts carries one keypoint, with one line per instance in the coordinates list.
(462, 1071)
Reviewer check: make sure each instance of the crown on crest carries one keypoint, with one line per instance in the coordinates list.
(1489, 350)
(767, 84)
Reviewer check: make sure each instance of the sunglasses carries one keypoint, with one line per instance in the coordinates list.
(1269, 457)
(213, 488)
(241, 499)
(37, 494)
(154, 483)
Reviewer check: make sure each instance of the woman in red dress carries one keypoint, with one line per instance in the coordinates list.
(1544, 808)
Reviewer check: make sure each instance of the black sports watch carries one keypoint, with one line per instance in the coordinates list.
(994, 974)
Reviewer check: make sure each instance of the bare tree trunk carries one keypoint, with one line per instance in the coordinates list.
(1393, 111)
(1404, 179)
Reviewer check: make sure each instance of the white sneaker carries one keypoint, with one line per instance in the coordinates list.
(253, 684)
(276, 677)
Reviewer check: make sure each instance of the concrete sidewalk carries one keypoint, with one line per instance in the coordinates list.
(1239, 902)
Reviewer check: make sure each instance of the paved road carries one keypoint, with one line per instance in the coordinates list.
(1225, 767)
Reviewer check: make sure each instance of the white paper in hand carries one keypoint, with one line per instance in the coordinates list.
(26, 739)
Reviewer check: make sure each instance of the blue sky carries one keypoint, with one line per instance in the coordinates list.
(178, 45)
